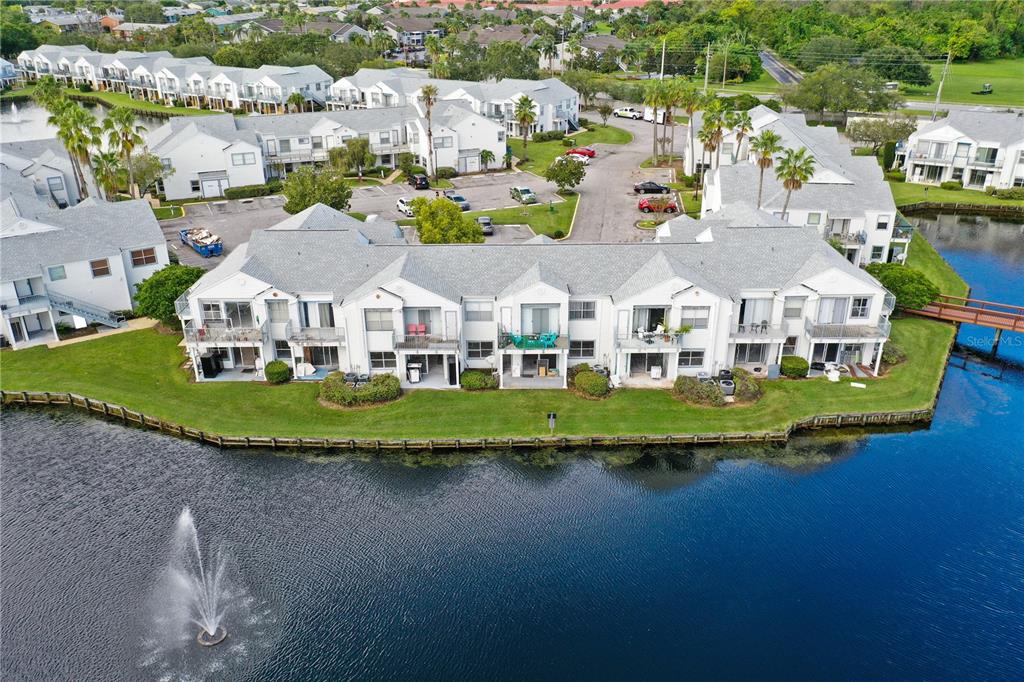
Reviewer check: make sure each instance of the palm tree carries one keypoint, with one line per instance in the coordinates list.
(77, 130)
(714, 119)
(574, 47)
(549, 50)
(653, 97)
(48, 93)
(381, 42)
(296, 101)
(795, 168)
(739, 121)
(433, 47)
(123, 136)
(428, 95)
(525, 117)
(673, 97)
(765, 146)
(108, 172)
(486, 158)
(706, 136)
(690, 99)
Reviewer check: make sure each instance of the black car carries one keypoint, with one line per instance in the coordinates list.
(419, 181)
(486, 225)
(650, 187)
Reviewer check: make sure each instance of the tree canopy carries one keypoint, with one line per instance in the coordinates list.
(440, 221)
(156, 294)
(566, 172)
(308, 185)
(911, 287)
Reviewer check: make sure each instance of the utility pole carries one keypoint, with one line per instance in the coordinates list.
(938, 93)
(707, 67)
(663, 40)
(725, 64)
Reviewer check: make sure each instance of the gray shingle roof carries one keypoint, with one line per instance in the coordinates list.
(340, 261)
(1006, 129)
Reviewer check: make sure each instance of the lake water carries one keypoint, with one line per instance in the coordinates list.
(29, 121)
(886, 556)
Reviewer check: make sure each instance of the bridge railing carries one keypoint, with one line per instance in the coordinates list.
(976, 303)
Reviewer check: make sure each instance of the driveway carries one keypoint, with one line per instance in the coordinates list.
(234, 221)
(607, 211)
(484, 193)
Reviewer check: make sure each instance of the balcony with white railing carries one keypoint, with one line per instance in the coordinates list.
(888, 303)
(182, 308)
(757, 330)
(426, 342)
(848, 330)
(315, 335)
(641, 340)
(223, 331)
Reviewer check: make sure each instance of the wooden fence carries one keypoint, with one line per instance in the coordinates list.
(979, 209)
(39, 398)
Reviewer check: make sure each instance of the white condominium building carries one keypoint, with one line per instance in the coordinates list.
(322, 291)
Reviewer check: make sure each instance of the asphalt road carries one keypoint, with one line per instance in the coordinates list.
(778, 70)
(607, 210)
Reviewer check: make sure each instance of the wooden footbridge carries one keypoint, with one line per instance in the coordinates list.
(999, 316)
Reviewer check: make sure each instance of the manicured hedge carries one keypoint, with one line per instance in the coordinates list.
(475, 380)
(592, 384)
(952, 185)
(380, 389)
(249, 191)
(693, 391)
(892, 354)
(570, 375)
(544, 136)
(794, 366)
(447, 173)
(278, 371)
(748, 389)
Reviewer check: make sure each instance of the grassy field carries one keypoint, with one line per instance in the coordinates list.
(924, 257)
(904, 193)
(142, 370)
(168, 212)
(1005, 75)
(765, 84)
(541, 154)
(114, 99)
(542, 218)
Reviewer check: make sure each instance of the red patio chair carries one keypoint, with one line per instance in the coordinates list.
(421, 329)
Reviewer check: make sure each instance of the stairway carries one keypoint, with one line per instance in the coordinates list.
(89, 312)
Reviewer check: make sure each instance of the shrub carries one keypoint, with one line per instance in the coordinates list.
(447, 173)
(249, 191)
(547, 135)
(897, 176)
(416, 170)
(567, 142)
(773, 104)
(592, 384)
(911, 287)
(892, 354)
(990, 189)
(63, 328)
(475, 380)
(570, 375)
(85, 87)
(696, 392)
(794, 366)
(888, 154)
(1012, 193)
(558, 234)
(381, 388)
(371, 170)
(748, 389)
(951, 185)
(743, 102)
(277, 371)
(127, 314)
(585, 122)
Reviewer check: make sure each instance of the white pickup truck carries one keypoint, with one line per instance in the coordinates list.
(628, 112)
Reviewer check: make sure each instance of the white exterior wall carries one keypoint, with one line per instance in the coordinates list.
(204, 153)
(1008, 167)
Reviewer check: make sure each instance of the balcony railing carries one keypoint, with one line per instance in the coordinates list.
(549, 340)
(316, 335)
(181, 306)
(888, 303)
(426, 342)
(757, 330)
(848, 331)
(647, 340)
(223, 332)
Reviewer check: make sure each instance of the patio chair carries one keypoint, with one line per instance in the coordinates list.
(410, 330)
(548, 340)
(421, 329)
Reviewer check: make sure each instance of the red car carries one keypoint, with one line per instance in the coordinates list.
(657, 205)
(583, 151)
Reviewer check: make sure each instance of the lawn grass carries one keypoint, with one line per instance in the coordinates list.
(114, 99)
(142, 371)
(923, 256)
(764, 84)
(542, 218)
(603, 28)
(1005, 75)
(904, 193)
(541, 154)
(168, 212)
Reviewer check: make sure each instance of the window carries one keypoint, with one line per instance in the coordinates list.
(883, 223)
(814, 218)
(303, 140)
(442, 142)
(986, 155)
(318, 142)
(282, 350)
(1018, 182)
(751, 352)
(385, 138)
(859, 310)
(194, 186)
(379, 320)
(324, 356)
(582, 310)
(212, 312)
(56, 184)
(691, 358)
(877, 252)
(789, 347)
(581, 349)
(382, 360)
(246, 159)
(479, 349)
(793, 307)
(57, 273)
(478, 311)
(165, 164)
(142, 257)
(285, 146)
(958, 174)
(501, 136)
(277, 311)
(100, 268)
(695, 317)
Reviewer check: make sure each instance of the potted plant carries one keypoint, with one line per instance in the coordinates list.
(683, 330)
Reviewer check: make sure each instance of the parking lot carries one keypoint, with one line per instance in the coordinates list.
(484, 192)
(234, 221)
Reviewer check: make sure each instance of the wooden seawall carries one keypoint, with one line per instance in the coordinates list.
(99, 407)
